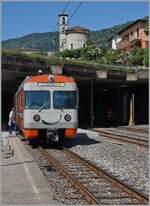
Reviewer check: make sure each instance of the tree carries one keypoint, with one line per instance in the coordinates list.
(146, 57)
(66, 53)
(139, 57)
(111, 56)
(146, 29)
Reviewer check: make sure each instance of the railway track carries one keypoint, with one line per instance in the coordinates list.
(93, 184)
(132, 129)
(122, 138)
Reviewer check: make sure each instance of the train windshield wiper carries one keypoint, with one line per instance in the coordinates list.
(42, 107)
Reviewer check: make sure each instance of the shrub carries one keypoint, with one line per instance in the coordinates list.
(139, 57)
(111, 56)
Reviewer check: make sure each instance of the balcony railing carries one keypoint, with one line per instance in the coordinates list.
(124, 43)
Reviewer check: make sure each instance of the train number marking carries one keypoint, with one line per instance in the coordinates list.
(50, 84)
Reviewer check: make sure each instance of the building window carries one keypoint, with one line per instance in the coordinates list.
(63, 30)
(63, 20)
(71, 46)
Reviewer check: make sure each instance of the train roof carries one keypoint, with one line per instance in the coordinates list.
(49, 78)
(46, 78)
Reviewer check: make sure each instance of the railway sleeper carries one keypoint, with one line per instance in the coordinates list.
(118, 201)
(112, 196)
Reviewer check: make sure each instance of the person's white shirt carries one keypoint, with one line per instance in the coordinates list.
(11, 117)
(11, 114)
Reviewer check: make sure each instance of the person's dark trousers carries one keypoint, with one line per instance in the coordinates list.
(10, 129)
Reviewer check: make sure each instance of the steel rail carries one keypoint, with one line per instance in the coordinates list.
(142, 130)
(89, 197)
(141, 142)
(133, 192)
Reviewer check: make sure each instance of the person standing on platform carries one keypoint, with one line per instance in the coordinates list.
(11, 122)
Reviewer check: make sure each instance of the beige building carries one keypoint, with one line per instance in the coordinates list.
(133, 36)
(71, 38)
(113, 41)
(77, 37)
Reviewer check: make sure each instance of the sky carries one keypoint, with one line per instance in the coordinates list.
(22, 18)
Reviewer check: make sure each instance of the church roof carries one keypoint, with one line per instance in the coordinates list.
(77, 29)
(63, 15)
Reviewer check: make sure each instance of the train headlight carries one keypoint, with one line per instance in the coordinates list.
(51, 78)
(67, 117)
(36, 117)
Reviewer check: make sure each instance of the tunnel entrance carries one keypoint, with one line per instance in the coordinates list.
(102, 102)
(110, 105)
(141, 104)
(8, 91)
(7, 103)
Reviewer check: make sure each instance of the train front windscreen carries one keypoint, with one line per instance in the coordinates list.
(64, 99)
(37, 100)
(42, 100)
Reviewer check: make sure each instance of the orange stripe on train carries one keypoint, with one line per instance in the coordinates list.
(44, 78)
(70, 132)
(30, 133)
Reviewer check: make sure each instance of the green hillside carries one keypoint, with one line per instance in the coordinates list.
(101, 37)
(44, 41)
(49, 41)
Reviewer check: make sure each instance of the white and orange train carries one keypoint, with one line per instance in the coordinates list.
(47, 102)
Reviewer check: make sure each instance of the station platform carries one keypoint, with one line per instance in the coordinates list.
(22, 180)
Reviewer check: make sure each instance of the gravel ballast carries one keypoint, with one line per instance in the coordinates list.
(124, 161)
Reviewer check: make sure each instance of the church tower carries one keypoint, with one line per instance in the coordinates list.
(63, 22)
